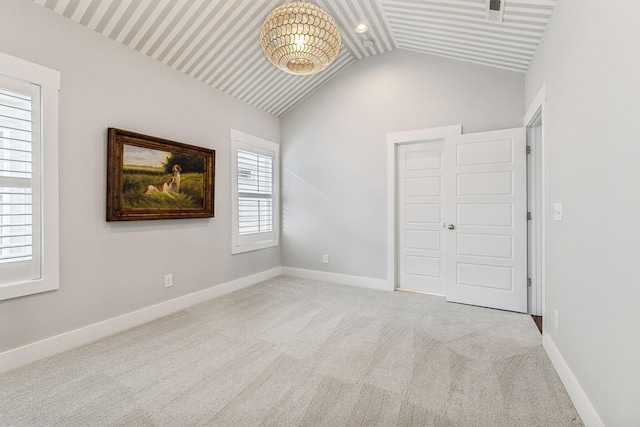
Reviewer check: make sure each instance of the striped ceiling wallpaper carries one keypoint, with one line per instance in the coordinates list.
(216, 41)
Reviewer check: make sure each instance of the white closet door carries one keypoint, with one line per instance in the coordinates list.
(420, 213)
(485, 232)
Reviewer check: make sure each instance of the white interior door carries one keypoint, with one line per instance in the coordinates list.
(485, 232)
(420, 212)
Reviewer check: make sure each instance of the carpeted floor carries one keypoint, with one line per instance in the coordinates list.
(291, 352)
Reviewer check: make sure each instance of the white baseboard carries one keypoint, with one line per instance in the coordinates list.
(50, 346)
(343, 279)
(585, 409)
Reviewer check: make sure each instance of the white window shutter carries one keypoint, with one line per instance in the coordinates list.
(29, 220)
(19, 180)
(255, 192)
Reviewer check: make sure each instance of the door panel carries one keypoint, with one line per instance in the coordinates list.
(484, 215)
(478, 184)
(485, 152)
(485, 245)
(425, 187)
(423, 213)
(486, 202)
(420, 213)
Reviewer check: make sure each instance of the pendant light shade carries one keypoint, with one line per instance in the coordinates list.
(300, 38)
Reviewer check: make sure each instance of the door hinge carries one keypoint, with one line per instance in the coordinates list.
(528, 281)
(528, 216)
(528, 149)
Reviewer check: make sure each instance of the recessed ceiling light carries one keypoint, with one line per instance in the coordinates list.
(361, 28)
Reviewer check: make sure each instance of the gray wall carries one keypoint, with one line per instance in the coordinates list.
(108, 269)
(334, 149)
(590, 62)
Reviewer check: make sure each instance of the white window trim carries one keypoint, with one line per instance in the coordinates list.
(49, 82)
(243, 141)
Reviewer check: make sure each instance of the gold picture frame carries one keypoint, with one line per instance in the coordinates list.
(153, 178)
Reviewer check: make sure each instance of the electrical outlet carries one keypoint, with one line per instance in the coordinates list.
(325, 259)
(168, 280)
(555, 319)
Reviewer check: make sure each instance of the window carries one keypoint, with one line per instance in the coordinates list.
(28, 178)
(255, 192)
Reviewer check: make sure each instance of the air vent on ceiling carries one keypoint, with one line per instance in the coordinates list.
(495, 10)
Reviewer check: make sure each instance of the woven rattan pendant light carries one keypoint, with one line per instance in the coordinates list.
(300, 38)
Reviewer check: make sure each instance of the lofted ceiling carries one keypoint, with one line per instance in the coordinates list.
(216, 41)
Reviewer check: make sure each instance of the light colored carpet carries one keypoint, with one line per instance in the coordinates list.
(291, 352)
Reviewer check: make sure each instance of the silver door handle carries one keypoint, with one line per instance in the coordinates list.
(451, 226)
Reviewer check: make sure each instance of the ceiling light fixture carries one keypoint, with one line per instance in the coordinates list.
(300, 38)
(361, 28)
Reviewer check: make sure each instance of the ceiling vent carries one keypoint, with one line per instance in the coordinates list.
(495, 10)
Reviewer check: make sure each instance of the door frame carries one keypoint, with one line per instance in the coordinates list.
(536, 115)
(535, 112)
(393, 140)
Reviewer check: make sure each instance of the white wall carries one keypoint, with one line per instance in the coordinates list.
(590, 62)
(108, 269)
(334, 149)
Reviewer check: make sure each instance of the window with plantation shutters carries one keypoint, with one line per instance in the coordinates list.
(26, 91)
(18, 231)
(255, 192)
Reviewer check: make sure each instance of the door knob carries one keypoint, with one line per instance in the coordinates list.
(451, 226)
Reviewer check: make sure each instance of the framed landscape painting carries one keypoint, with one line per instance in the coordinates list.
(154, 178)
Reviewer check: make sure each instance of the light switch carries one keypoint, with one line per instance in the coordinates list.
(557, 211)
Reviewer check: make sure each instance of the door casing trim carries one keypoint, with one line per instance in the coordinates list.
(537, 113)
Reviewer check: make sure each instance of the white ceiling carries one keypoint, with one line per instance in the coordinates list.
(216, 41)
